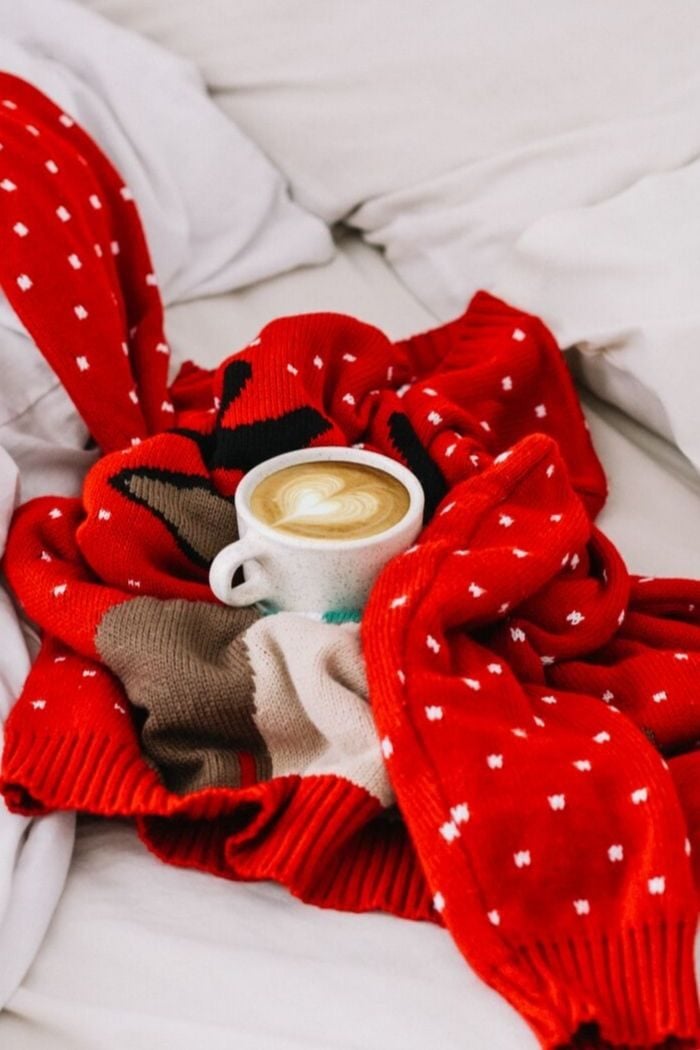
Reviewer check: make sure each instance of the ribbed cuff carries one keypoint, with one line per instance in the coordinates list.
(630, 989)
(82, 771)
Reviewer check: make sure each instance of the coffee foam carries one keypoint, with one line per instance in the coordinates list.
(330, 499)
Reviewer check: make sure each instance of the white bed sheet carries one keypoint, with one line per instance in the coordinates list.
(146, 956)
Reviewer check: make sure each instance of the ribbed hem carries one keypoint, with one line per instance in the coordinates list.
(82, 771)
(329, 841)
(630, 989)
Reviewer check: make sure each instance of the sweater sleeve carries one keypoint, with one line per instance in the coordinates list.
(551, 831)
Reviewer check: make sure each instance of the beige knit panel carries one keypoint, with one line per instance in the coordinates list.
(184, 665)
(311, 702)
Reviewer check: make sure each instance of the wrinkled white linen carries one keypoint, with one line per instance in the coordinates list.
(359, 102)
(619, 280)
(39, 426)
(34, 853)
(143, 956)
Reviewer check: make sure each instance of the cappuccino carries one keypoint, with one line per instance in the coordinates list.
(315, 528)
(330, 500)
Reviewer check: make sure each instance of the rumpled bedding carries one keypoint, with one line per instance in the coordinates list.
(617, 281)
(548, 623)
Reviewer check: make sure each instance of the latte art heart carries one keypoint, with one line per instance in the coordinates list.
(330, 500)
(324, 498)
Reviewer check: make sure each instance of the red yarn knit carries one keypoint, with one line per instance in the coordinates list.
(524, 686)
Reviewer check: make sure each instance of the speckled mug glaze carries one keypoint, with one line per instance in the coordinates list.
(299, 574)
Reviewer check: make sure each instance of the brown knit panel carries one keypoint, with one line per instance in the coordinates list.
(185, 665)
(205, 521)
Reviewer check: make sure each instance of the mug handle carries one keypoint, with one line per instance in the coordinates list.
(228, 561)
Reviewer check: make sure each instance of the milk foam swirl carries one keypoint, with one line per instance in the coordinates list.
(330, 500)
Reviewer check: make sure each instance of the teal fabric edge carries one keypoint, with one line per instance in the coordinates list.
(342, 616)
(332, 616)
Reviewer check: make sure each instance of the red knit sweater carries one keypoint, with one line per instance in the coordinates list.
(538, 707)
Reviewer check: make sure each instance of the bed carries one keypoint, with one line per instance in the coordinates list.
(142, 955)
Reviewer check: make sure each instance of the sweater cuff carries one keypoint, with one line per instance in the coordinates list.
(634, 988)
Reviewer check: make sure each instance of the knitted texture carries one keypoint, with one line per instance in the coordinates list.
(536, 707)
(495, 651)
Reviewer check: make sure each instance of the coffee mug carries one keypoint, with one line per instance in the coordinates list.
(316, 526)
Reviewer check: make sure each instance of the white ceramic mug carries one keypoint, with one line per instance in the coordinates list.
(301, 574)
